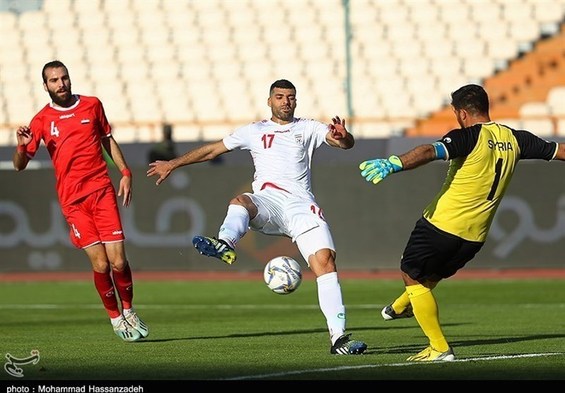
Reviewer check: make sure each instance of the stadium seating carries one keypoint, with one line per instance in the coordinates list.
(205, 65)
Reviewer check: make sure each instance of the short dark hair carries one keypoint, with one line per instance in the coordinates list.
(52, 64)
(472, 98)
(281, 84)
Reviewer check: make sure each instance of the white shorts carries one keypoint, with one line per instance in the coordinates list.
(281, 213)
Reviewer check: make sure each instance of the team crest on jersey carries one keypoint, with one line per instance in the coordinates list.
(298, 138)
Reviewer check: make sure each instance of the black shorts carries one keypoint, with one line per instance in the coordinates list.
(432, 254)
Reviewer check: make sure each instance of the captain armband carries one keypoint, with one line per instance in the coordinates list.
(441, 151)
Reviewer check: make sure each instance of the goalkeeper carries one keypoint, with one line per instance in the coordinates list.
(482, 157)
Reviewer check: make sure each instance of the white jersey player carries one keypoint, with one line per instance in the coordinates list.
(282, 202)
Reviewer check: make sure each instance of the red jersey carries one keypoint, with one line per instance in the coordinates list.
(73, 137)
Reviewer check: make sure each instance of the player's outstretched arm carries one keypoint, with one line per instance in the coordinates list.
(377, 169)
(207, 152)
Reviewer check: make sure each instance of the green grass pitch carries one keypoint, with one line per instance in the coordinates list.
(239, 331)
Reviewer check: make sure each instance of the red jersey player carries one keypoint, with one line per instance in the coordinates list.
(74, 128)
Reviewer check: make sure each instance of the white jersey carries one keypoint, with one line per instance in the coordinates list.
(282, 154)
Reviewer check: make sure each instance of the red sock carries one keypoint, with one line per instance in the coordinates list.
(124, 285)
(105, 288)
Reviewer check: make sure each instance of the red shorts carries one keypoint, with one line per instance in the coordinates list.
(94, 219)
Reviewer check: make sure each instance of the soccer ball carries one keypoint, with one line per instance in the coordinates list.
(282, 275)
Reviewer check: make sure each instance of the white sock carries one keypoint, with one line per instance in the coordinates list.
(116, 321)
(331, 304)
(235, 225)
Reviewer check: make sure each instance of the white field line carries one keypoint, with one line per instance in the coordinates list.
(141, 306)
(175, 306)
(289, 306)
(405, 364)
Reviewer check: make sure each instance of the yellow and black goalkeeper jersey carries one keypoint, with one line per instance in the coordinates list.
(482, 161)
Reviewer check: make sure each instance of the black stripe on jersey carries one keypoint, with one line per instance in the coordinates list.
(461, 142)
(533, 147)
